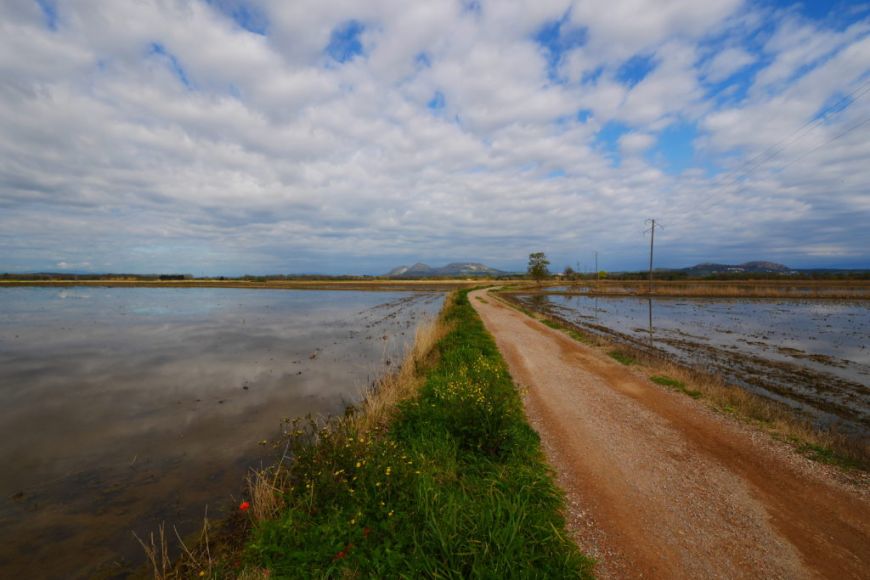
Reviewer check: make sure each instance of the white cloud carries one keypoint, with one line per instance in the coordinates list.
(275, 158)
(618, 29)
(634, 143)
(726, 63)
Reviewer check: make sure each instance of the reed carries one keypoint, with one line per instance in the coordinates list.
(157, 553)
(382, 397)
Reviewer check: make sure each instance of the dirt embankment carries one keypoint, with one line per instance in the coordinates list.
(661, 487)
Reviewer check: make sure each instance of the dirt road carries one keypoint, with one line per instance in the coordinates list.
(661, 487)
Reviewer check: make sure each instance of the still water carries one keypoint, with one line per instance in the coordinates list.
(813, 355)
(121, 408)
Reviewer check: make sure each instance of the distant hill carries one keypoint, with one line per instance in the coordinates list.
(463, 269)
(747, 268)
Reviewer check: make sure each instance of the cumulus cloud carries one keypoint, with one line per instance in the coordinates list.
(634, 143)
(727, 62)
(228, 137)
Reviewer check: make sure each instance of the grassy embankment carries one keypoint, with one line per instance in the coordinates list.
(776, 419)
(437, 474)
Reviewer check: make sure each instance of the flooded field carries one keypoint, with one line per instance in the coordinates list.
(123, 408)
(813, 355)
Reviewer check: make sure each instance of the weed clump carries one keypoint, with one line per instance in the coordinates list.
(552, 324)
(622, 357)
(675, 385)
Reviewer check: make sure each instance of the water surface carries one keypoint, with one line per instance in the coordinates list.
(125, 407)
(810, 354)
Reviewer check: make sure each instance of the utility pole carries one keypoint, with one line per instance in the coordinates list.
(597, 271)
(652, 238)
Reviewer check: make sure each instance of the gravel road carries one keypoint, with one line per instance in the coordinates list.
(658, 486)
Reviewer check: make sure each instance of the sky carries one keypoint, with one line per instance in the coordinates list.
(227, 137)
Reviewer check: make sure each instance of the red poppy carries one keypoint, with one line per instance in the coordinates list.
(245, 506)
(343, 554)
(366, 532)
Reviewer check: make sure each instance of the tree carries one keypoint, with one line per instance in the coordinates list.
(538, 263)
(569, 273)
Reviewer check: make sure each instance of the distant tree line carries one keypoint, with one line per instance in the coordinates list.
(65, 276)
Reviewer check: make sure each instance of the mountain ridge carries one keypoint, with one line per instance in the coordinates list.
(421, 270)
(753, 267)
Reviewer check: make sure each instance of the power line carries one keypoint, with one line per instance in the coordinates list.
(774, 150)
(831, 140)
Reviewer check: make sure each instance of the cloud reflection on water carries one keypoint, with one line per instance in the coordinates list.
(130, 406)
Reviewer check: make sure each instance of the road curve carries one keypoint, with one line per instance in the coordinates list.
(661, 487)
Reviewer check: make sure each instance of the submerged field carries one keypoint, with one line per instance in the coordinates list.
(809, 354)
(122, 408)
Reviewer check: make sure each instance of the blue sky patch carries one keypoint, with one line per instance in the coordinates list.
(159, 50)
(49, 12)
(734, 89)
(839, 14)
(837, 103)
(556, 38)
(635, 69)
(591, 77)
(345, 43)
(244, 14)
(472, 6)
(437, 102)
(608, 139)
(422, 60)
(674, 152)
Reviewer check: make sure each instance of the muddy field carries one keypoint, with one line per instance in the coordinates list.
(126, 407)
(812, 355)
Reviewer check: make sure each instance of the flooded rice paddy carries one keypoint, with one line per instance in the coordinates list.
(813, 355)
(125, 408)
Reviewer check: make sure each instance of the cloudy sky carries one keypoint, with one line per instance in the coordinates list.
(235, 136)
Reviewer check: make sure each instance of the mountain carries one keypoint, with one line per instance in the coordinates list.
(746, 268)
(417, 269)
(463, 269)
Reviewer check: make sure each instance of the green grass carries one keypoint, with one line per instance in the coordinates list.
(827, 455)
(675, 385)
(556, 325)
(455, 486)
(622, 357)
(578, 336)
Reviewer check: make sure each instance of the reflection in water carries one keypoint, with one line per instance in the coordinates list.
(122, 408)
(813, 355)
(649, 309)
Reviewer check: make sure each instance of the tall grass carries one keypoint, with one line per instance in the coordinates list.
(381, 399)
